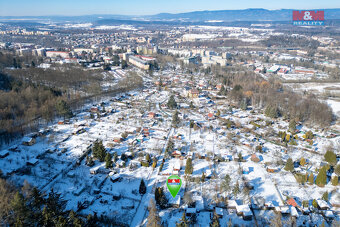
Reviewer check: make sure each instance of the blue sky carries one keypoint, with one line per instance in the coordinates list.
(147, 7)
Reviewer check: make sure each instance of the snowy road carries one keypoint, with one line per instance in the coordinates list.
(138, 219)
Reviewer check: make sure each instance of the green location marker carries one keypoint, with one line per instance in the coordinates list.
(174, 184)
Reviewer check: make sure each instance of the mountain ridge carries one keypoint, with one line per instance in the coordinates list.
(252, 14)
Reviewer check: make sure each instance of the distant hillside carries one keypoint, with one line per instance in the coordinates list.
(239, 15)
(217, 16)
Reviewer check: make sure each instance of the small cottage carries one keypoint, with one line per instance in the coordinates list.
(176, 154)
(175, 202)
(244, 211)
(152, 115)
(32, 162)
(193, 93)
(28, 141)
(322, 205)
(254, 158)
(190, 212)
(292, 202)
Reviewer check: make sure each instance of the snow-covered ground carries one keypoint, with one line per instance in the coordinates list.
(57, 160)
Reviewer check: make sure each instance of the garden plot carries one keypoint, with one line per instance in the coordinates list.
(264, 186)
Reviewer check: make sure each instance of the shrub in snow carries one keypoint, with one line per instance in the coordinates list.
(330, 157)
(308, 135)
(311, 178)
(325, 196)
(292, 126)
(302, 161)
(188, 166)
(289, 165)
(337, 169)
(335, 181)
(321, 179)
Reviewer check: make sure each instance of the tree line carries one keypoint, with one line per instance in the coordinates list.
(28, 206)
(246, 88)
(22, 102)
(290, 41)
(32, 96)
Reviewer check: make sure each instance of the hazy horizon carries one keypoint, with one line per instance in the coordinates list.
(148, 7)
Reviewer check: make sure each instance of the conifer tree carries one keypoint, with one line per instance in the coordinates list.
(74, 219)
(89, 161)
(240, 157)
(325, 196)
(55, 204)
(292, 126)
(47, 218)
(147, 157)
(188, 166)
(302, 161)
(203, 177)
(236, 189)
(95, 148)
(315, 204)
(335, 181)
(142, 187)
(102, 151)
(272, 111)
(309, 135)
(153, 217)
(91, 220)
(321, 179)
(108, 161)
(225, 186)
(37, 199)
(183, 222)
(337, 169)
(243, 104)
(19, 208)
(172, 102)
(170, 146)
(115, 157)
(330, 157)
(63, 109)
(175, 119)
(191, 105)
(215, 222)
(289, 165)
(311, 178)
(99, 151)
(160, 198)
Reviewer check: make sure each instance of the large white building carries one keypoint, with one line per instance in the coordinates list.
(180, 52)
(54, 54)
(214, 60)
(141, 61)
(81, 50)
(194, 37)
